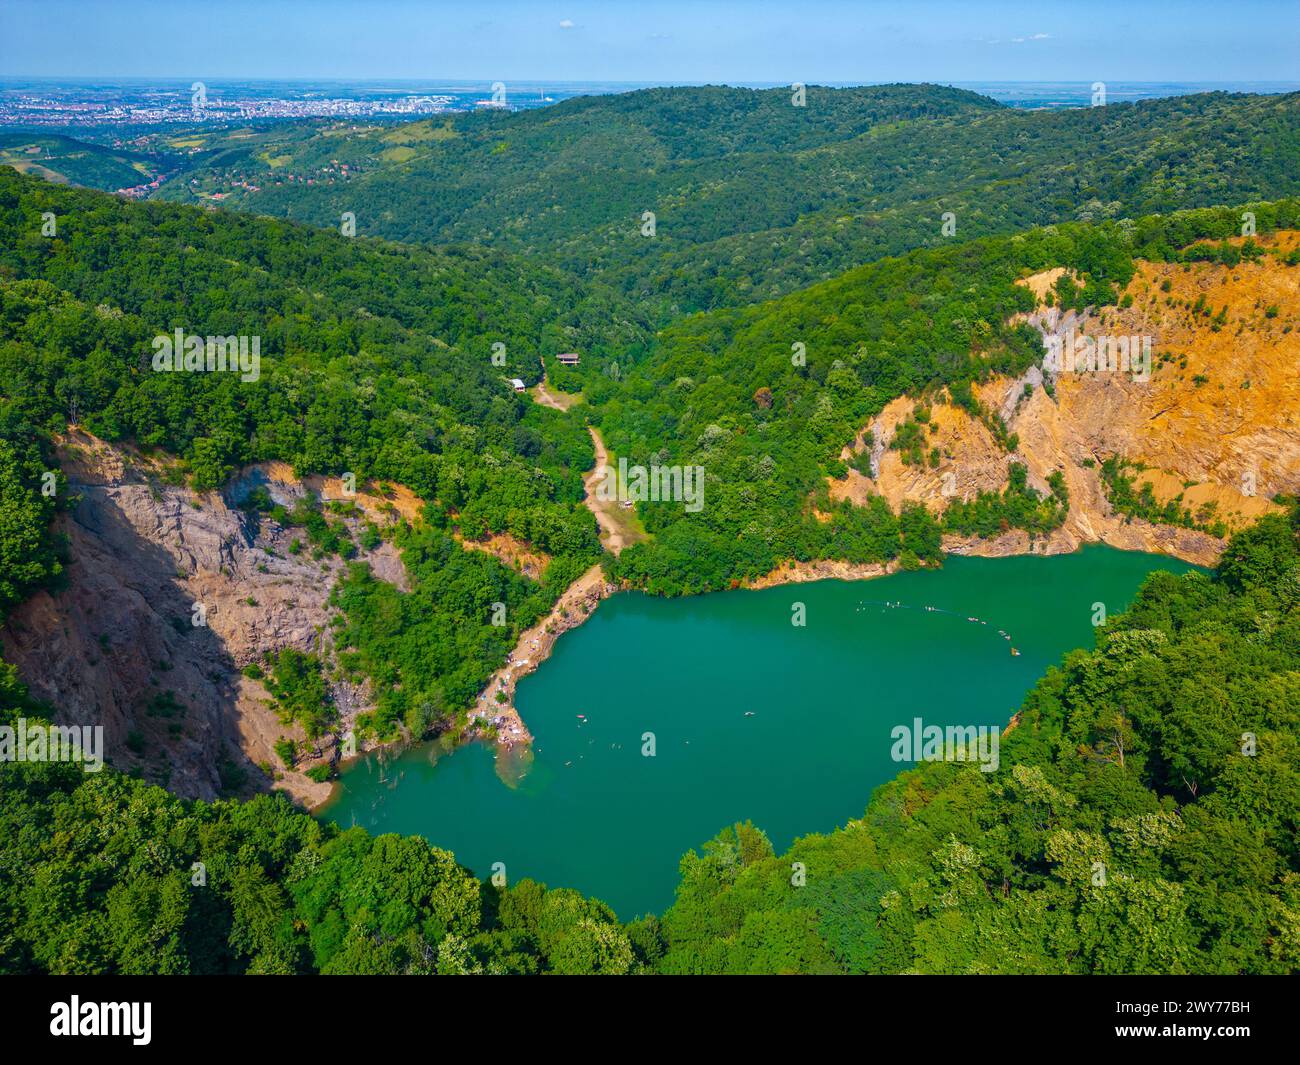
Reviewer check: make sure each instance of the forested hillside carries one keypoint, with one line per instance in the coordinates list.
(376, 361)
(64, 159)
(755, 197)
(372, 354)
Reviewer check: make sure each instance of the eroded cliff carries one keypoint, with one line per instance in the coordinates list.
(1217, 421)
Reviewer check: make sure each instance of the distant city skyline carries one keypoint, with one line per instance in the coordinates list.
(665, 41)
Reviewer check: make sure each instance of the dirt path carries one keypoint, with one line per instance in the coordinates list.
(618, 526)
(555, 400)
(533, 648)
(618, 529)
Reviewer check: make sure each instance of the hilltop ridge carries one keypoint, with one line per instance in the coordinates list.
(754, 197)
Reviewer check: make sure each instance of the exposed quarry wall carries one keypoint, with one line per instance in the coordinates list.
(1218, 421)
(120, 635)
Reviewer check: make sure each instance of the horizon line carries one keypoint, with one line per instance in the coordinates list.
(646, 81)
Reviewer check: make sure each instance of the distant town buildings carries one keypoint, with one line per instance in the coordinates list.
(137, 108)
(139, 192)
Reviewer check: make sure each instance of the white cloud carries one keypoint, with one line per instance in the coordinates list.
(1013, 40)
(566, 23)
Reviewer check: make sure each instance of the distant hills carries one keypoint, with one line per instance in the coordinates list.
(73, 162)
(753, 197)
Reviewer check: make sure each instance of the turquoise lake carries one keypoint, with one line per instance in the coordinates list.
(753, 718)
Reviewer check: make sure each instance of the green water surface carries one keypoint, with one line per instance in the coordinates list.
(753, 717)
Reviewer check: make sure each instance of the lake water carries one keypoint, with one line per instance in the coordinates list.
(753, 717)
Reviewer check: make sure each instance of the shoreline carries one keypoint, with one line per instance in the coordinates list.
(581, 598)
(577, 603)
(592, 587)
(512, 740)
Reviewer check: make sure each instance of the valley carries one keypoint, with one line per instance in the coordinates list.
(363, 619)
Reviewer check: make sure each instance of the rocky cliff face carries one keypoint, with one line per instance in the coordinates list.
(168, 595)
(1218, 420)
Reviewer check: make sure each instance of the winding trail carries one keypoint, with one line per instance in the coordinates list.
(619, 527)
(617, 530)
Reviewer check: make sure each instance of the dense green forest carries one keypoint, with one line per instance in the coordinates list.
(377, 360)
(29, 554)
(754, 197)
(1144, 818)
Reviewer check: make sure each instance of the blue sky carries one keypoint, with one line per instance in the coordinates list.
(656, 40)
